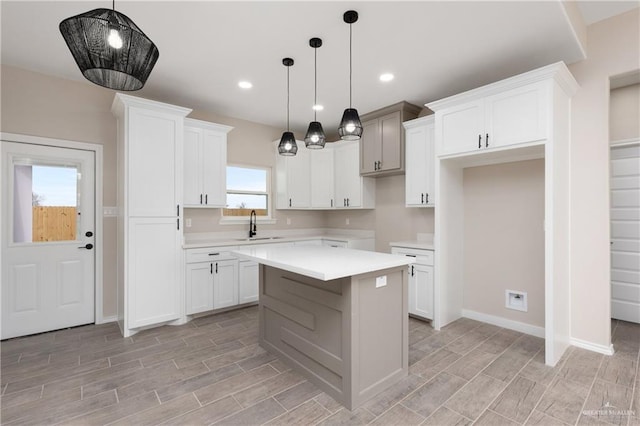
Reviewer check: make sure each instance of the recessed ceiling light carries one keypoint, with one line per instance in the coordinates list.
(386, 77)
(318, 107)
(245, 85)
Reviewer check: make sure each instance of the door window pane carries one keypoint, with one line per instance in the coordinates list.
(45, 204)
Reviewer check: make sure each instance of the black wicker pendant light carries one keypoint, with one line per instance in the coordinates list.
(109, 48)
(350, 126)
(315, 138)
(287, 145)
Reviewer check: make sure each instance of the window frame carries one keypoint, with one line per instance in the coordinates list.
(269, 218)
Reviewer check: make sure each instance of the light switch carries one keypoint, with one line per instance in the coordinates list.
(381, 281)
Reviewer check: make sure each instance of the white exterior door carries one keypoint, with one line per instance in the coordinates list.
(48, 233)
(625, 233)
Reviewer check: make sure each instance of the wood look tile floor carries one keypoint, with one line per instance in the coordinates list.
(211, 371)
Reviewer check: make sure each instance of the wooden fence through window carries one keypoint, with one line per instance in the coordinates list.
(243, 212)
(52, 223)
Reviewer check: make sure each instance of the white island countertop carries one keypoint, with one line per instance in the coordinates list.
(323, 263)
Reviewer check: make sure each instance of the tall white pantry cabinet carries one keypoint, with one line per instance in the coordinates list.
(150, 172)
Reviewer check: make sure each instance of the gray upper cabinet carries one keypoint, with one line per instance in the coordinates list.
(382, 141)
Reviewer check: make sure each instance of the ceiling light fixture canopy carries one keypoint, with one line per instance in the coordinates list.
(315, 138)
(350, 126)
(287, 145)
(109, 48)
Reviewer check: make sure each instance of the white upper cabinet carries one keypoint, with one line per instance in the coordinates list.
(420, 162)
(351, 190)
(205, 164)
(322, 182)
(323, 179)
(293, 180)
(509, 117)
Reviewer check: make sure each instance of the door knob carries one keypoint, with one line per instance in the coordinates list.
(88, 246)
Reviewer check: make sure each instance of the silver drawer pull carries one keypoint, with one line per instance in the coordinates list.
(214, 254)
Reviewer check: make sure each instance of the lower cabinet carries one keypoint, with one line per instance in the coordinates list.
(421, 291)
(225, 287)
(247, 281)
(199, 291)
(420, 281)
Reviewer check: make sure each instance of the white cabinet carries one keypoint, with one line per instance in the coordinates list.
(248, 281)
(351, 190)
(322, 182)
(420, 162)
(225, 283)
(420, 281)
(323, 179)
(510, 117)
(293, 180)
(199, 287)
(211, 279)
(150, 167)
(205, 164)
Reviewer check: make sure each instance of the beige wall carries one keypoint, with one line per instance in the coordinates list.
(40, 105)
(391, 220)
(504, 238)
(613, 49)
(624, 113)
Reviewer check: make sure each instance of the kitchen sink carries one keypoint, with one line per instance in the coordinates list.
(258, 238)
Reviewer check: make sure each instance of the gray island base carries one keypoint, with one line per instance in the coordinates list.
(348, 335)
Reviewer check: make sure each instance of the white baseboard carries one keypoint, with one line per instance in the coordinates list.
(533, 330)
(105, 320)
(601, 349)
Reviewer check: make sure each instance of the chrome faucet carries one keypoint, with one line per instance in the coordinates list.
(252, 224)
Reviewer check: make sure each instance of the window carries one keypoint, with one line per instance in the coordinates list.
(248, 188)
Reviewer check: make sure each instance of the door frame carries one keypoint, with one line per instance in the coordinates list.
(97, 149)
(619, 143)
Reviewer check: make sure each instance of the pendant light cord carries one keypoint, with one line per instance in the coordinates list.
(113, 5)
(315, 83)
(350, 64)
(288, 98)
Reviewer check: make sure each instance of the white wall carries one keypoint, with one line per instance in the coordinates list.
(613, 49)
(624, 113)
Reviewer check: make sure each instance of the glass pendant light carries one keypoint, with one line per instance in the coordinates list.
(109, 48)
(315, 138)
(287, 145)
(350, 126)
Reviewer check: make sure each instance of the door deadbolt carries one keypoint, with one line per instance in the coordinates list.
(88, 234)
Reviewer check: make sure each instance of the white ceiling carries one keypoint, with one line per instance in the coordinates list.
(434, 48)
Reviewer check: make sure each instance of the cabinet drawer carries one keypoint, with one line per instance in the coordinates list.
(423, 257)
(335, 243)
(208, 254)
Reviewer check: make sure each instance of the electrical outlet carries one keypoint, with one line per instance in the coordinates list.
(187, 222)
(346, 221)
(288, 221)
(516, 300)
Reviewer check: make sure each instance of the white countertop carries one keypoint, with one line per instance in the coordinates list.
(323, 263)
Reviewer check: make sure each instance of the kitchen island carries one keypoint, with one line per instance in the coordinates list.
(338, 316)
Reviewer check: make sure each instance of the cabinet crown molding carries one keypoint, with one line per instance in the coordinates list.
(557, 71)
(192, 122)
(404, 107)
(122, 101)
(420, 121)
